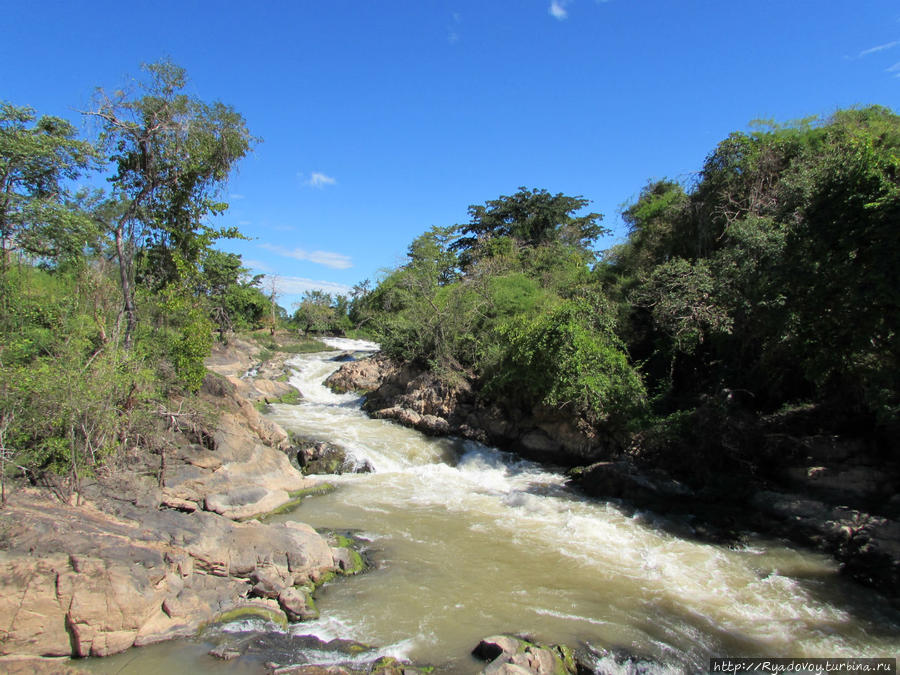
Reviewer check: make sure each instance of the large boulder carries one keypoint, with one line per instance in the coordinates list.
(364, 375)
(81, 582)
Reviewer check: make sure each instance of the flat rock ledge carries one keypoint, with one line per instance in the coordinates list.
(136, 560)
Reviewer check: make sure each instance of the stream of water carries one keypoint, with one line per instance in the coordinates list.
(467, 541)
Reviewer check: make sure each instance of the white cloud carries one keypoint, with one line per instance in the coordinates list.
(894, 68)
(257, 265)
(879, 48)
(299, 285)
(337, 261)
(235, 195)
(317, 179)
(452, 33)
(558, 9)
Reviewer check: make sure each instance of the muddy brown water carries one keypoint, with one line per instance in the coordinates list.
(467, 542)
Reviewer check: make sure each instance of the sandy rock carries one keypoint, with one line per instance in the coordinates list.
(245, 501)
(272, 388)
(364, 375)
(78, 581)
(38, 666)
(514, 656)
(297, 604)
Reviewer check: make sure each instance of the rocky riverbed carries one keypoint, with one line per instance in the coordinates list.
(137, 558)
(159, 550)
(825, 491)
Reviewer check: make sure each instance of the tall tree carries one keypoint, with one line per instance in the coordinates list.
(38, 160)
(531, 218)
(172, 153)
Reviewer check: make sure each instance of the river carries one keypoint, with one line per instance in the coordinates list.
(467, 541)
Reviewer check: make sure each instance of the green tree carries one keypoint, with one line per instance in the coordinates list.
(530, 218)
(570, 358)
(233, 296)
(315, 311)
(39, 159)
(172, 153)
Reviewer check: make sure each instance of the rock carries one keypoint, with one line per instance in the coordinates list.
(322, 458)
(509, 654)
(856, 484)
(84, 582)
(267, 582)
(417, 398)
(39, 666)
(867, 545)
(347, 561)
(224, 652)
(297, 604)
(246, 501)
(178, 504)
(365, 375)
(623, 480)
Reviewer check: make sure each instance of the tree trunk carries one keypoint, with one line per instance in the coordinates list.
(127, 288)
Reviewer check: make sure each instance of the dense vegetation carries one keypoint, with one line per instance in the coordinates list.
(768, 285)
(108, 299)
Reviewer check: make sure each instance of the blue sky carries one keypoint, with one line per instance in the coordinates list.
(381, 119)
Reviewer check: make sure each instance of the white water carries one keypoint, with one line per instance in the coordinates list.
(471, 542)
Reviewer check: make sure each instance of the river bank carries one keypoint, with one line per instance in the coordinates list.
(463, 541)
(831, 493)
(169, 542)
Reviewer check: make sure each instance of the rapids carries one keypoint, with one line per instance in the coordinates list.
(467, 541)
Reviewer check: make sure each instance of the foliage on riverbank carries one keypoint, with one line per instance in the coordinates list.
(769, 284)
(108, 300)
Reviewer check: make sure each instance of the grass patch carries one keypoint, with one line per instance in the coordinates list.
(292, 397)
(314, 491)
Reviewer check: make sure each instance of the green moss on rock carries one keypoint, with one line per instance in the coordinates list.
(252, 612)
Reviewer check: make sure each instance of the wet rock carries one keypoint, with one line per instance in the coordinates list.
(514, 655)
(623, 480)
(291, 654)
(224, 652)
(603, 661)
(866, 544)
(298, 604)
(327, 458)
